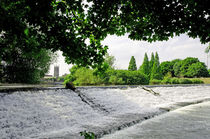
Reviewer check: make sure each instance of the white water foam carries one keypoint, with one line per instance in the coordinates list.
(61, 113)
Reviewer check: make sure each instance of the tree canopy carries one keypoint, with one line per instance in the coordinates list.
(77, 27)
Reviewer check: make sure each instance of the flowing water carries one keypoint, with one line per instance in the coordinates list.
(61, 113)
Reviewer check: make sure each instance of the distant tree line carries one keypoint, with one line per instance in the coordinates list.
(151, 71)
(189, 67)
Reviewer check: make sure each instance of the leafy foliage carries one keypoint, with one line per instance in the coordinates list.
(88, 135)
(132, 64)
(68, 25)
(27, 67)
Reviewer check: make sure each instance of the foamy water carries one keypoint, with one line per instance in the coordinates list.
(62, 113)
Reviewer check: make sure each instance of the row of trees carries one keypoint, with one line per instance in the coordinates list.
(151, 71)
(151, 67)
(189, 67)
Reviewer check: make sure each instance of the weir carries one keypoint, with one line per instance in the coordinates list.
(51, 113)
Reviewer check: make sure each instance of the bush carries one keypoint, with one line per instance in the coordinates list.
(166, 80)
(114, 80)
(175, 81)
(185, 81)
(155, 81)
(197, 81)
(125, 77)
(83, 76)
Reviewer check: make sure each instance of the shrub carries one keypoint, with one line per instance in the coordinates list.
(197, 81)
(175, 81)
(125, 77)
(114, 80)
(185, 81)
(88, 135)
(84, 76)
(155, 81)
(166, 80)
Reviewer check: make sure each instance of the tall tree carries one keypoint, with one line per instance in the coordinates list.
(132, 64)
(151, 62)
(157, 59)
(144, 68)
(156, 73)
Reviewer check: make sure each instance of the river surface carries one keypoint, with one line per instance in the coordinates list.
(61, 113)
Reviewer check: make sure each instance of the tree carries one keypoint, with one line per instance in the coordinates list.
(151, 62)
(110, 60)
(132, 64)
(156, 73)
(207, 52)
(27, 67)
(186, 63)
(173, 62)
(67, 25)
(197, 69)
(166, 67)
(144, 68)
(190, 67)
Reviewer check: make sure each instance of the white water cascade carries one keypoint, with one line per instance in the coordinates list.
(61, 113)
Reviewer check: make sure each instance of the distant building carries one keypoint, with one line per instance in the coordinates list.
(56, 71)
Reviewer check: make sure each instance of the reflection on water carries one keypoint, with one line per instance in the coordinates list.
(62, 113)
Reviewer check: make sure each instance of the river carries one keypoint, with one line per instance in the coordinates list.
(61, 113)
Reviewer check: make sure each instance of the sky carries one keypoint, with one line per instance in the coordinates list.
(122, 48)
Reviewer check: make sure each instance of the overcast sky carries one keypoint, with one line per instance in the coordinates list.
(122, 48)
